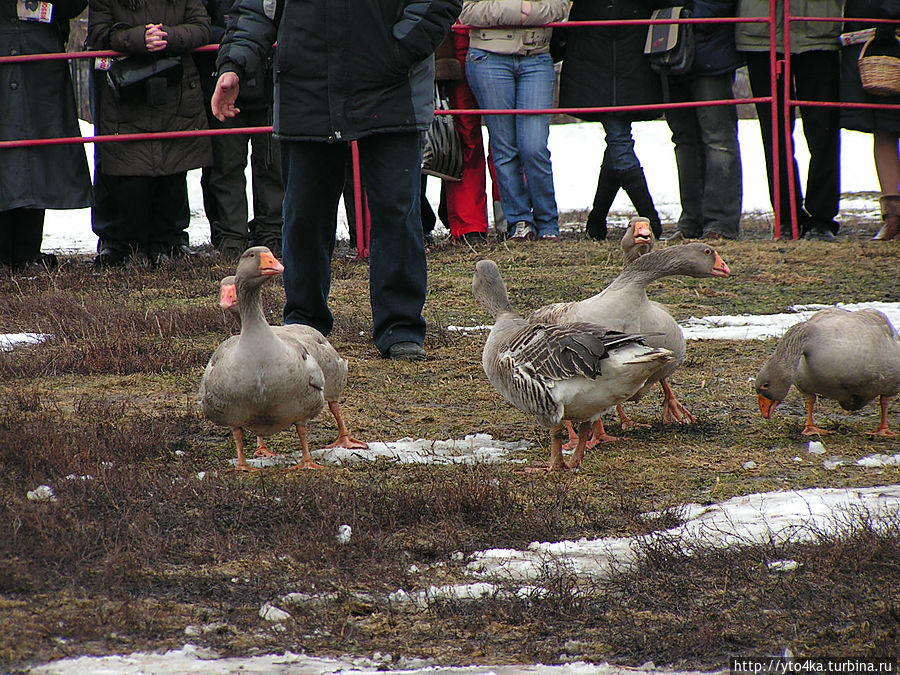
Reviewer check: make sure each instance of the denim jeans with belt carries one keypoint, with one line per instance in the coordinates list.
(518, 142)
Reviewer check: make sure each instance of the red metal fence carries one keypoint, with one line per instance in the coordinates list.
(778, 67)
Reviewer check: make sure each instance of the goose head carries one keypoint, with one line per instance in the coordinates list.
(228, 293)
(637, 240)
(256, 266)
(693, 260)
(772, 384)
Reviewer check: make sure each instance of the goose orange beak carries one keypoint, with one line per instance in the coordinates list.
(228, 296)
(642, 232)
(767, 406)
(720, 269)
(269, 265)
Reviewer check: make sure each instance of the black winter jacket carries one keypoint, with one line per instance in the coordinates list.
(714, 50)
(343, 70)
(606, 66)
(36, 101)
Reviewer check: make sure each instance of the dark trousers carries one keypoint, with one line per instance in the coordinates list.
(314, 179)
(815, 77)
(224, 184)
(708, 157)
(140, 213)
(21, 232)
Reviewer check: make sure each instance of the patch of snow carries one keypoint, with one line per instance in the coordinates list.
(344, 533)
(783, 565)
(816, 448)
(9, 341)
(879, 460)
(42, 493)
(270, 612)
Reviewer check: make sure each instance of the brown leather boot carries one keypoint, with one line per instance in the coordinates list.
(890, 214)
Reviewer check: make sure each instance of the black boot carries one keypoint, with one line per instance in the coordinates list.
(635, 185)
(607, 189)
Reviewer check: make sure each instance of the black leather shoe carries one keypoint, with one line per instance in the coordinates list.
(406, 351)
(109, 257)
(816, 234)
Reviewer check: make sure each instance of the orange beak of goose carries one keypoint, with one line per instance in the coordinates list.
(642, 232)
(720, 269)
(767, 406)
(228, 296)
(269, 265)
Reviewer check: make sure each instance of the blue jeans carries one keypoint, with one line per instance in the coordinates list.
(518, 142)
(313, 180)
(708, 157)
(619, 153)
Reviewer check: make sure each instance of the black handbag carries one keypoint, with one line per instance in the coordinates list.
(442, 155)
(143, 78)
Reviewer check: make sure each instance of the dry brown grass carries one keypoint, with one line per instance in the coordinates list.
(126, 560)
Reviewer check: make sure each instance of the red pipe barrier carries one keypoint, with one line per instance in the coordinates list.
(777, 67)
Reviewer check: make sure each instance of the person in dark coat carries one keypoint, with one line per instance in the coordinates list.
(344, 71)
(707, 152)
(884, 125)
(141, 186)
(224, 182)
(607, 67)
(37, 101)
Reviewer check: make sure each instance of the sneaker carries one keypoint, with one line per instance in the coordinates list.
(522, 231)
(406, 351)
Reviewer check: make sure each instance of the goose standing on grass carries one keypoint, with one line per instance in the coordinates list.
(334, 368)
(624, 306)
(559, 372)
(850, 357)
(257, 380)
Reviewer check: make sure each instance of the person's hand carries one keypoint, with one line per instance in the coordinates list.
(225, 95)
(526, 9)
(155, 37)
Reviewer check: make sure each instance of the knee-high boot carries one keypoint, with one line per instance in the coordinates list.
(607, 189)
(635, 186)
(890, 214)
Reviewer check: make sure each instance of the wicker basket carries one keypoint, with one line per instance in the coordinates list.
(879, 74)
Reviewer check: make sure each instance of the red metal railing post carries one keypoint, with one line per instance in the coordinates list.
(788, 127)
(360, 207)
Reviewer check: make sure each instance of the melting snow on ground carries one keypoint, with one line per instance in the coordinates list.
(776, 517)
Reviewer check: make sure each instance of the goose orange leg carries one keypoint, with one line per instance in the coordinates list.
(673, 412)
(584, 431)
(241, 465)
(344, 439)
(307, 461)
(556, 456)
(811, 429)
(262, 450)
(626, 422)
(599, 436)
(882, 429)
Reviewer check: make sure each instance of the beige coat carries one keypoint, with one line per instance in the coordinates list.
(805, 35)
(483, 15)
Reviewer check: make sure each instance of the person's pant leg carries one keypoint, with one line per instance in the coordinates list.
(391, 169)
(817, 78)
(313, 179)
(689, 160)
(467, 198)
(758, 72)
(534, 91)
(226, 185)
(493, 81)
(171, 213)
(722, 189)
(268, 186)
